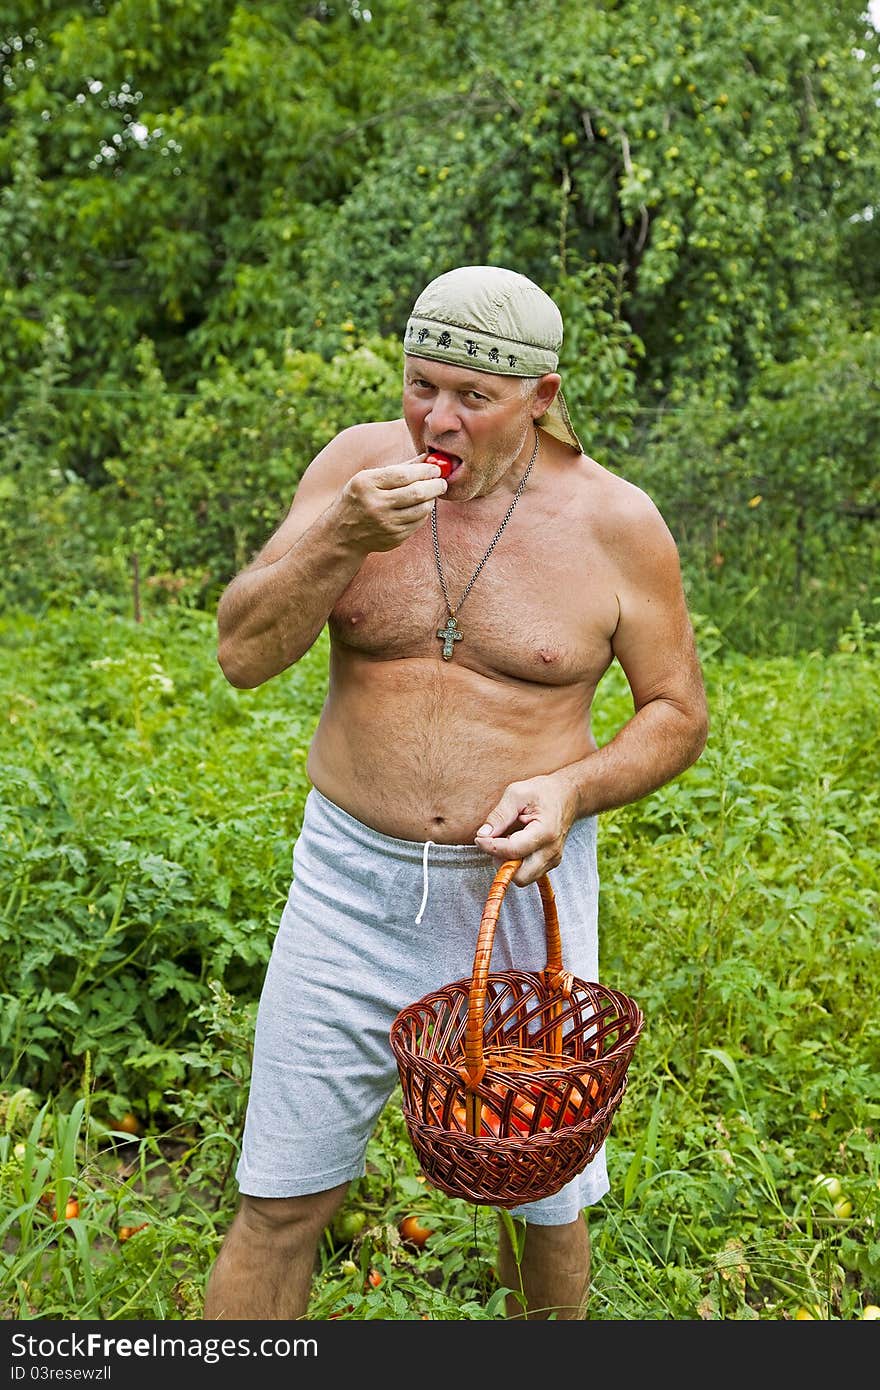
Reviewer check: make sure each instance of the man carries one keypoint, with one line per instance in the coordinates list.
(471, 617)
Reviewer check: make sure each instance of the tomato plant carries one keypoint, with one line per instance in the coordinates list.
(126, 1232)
(348, 1224)
(414, 1231)
(832, 1185)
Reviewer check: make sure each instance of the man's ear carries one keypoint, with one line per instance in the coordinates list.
(546, 392)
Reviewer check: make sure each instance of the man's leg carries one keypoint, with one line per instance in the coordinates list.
(554, 1269)
(265, 1266)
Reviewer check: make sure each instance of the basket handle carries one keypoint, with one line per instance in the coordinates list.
(474, 1069)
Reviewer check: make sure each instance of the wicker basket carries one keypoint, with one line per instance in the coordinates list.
(510, 1081)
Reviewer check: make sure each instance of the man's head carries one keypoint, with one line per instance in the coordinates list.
(489, 319)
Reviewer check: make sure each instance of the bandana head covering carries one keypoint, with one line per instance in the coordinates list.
(493, 320)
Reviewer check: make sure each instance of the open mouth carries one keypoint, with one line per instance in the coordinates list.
(448, 464)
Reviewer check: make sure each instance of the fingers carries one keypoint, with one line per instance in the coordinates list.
(527, 824)
(503, 816)
(382, 507)
(536, 855)
(409, 482)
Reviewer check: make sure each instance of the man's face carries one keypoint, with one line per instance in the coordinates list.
(483, 419)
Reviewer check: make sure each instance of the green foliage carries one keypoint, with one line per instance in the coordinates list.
(211, 481)
(142, 888)
(132, 879)
(214, 219)
(718, 160)
(775, 506)
(214, 179)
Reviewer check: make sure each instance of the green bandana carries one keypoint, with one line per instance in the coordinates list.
(492, 320)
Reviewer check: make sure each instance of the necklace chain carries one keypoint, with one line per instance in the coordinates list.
(449, 634)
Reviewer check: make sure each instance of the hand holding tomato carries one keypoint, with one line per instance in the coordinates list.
(379, 508)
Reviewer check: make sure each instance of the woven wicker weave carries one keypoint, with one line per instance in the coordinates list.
(510, 1081)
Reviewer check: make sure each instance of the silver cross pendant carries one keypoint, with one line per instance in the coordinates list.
(448, 635)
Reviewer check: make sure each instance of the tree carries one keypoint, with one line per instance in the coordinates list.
(222, 188)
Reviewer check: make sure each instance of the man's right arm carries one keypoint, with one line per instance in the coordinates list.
(274, 609)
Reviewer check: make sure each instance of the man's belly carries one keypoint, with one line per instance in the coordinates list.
(422, 750)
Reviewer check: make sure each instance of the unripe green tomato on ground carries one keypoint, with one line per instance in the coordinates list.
(831, 1185)
(348, 1224)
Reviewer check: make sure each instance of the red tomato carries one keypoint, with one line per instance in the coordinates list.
(490, 1124)
(521, 1114)
(414, 1232)
(126, 1232)
(445, 462)
(523, 1111)
(71, 1207)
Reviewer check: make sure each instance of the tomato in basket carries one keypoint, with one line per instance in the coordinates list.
(521, 1115)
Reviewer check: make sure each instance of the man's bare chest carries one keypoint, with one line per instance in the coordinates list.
(538, 610)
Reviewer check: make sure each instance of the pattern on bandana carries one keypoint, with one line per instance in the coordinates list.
(468, 346)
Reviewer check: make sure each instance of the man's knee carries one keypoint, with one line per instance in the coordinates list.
(288, 1218)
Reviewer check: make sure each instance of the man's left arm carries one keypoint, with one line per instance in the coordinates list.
(654, 644)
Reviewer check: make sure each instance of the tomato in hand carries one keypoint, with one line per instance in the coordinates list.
(445, 462)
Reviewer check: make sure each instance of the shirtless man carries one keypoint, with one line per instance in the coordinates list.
(471, 618)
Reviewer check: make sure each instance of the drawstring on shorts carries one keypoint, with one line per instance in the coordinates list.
(424, 881)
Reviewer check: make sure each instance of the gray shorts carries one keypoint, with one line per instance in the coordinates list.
(349, 954)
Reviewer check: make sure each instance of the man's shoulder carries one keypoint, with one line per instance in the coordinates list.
(367, 444)
(372, 436)
(621, 518)
(614, 499)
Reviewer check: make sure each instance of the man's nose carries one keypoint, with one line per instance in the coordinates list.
(443, 415)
